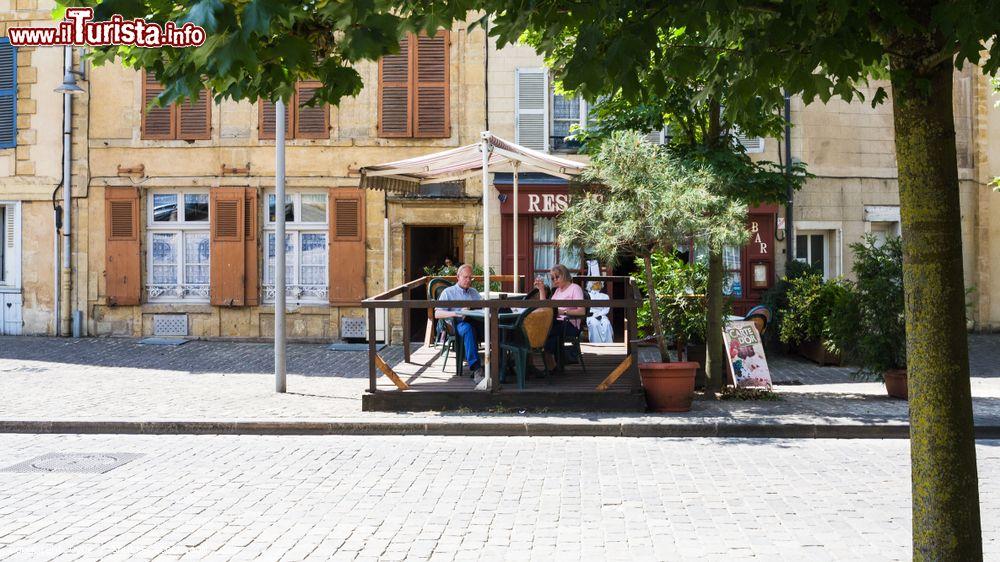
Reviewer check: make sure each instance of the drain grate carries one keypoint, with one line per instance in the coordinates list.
(97, 463)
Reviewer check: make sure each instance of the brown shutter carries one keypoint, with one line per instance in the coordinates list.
(394, 92)
(347, 245)
(157, 122)
(310, 122)
(431, 88)
(251, 286)
(267, 116)
(121, 255)
(226, 286)
(194, 121)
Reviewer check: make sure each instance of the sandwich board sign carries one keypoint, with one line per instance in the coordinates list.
(747, 364)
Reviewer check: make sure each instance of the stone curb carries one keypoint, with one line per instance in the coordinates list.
(506, 429)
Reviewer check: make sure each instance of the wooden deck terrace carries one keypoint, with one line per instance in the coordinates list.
(422, 381)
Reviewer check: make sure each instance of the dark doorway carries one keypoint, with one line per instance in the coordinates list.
(428, 246)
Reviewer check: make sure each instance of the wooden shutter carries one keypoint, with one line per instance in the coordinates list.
(194, 118)
(431, 89)
(531, 99)
(226, 287)
(158, 123)
(8, 94)
(394, 92)
(310, 122)
(251, 250)
(267, 116)
(121, 255)
(347, 245)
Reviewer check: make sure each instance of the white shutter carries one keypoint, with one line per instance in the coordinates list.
(754, 145)
(531, 99)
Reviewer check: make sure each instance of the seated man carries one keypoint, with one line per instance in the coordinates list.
(463, 291)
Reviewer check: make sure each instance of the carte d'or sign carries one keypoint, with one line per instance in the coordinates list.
(747, 364)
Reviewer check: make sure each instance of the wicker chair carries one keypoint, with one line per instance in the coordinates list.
(525, 336)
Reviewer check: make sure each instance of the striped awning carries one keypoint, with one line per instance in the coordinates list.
(406, 176)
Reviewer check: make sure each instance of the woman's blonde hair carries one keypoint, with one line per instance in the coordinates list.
(562, 270)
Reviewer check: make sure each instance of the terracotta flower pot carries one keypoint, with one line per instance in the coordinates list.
(895, 383)
(669, 386)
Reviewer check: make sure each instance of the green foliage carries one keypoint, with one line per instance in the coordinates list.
(648, 200)
(776, 298)
(749, 393)
(811, 302)
(680, 294)
(880, 331)
(477, 270)
(261, 48)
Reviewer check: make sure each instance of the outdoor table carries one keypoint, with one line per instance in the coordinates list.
(495, 295)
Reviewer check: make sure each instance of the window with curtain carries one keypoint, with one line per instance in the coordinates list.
(179, 247)
(732, 282)
(547, 252)
(811, 248)
(306, 247)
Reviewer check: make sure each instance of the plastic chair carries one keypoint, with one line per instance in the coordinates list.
(574, 341)
(525, 336)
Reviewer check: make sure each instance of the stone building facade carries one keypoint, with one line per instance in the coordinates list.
(172, 208)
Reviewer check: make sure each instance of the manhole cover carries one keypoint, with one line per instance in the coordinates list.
(98, 463)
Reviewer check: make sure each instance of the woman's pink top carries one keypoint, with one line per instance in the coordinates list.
(572, 292)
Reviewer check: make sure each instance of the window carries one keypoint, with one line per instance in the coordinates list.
(811, 248)
(547, 251)
(414, 88)
(566, 112)
(301, 121)
(882, 230)
(179, 246)
(306, 231)
(190, 120)
(8, 94)
(732, 265)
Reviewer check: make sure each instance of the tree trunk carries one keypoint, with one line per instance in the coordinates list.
(714, 350)
(715, 357)
(654, 309)
(946, 523)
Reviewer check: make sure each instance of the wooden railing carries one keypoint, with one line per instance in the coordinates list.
(388, 300)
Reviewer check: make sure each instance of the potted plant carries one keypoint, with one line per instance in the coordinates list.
(879, 345)
(806, 319)
(640, 200)
(680, 292)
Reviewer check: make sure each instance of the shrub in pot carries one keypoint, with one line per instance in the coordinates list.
(879, 345)
(649, 201)
(776, 300)
(806, 319)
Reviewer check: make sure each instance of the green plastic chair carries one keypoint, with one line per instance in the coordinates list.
(525, 336)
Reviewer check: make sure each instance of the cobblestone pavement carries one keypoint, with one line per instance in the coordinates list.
(469, 498)
(119, 379)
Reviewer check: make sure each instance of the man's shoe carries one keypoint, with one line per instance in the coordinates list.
(485, 384)
(478, 375)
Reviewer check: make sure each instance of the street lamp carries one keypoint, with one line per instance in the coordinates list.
(68, 85)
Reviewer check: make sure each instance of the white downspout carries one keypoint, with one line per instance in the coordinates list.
(66, 291)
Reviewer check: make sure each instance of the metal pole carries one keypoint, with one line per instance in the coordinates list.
(485, 148)
(279, 246)
(66, 291)
(517, 280)
(789, 194)
(386, 259)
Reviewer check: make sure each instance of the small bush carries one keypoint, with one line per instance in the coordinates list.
(811, 306)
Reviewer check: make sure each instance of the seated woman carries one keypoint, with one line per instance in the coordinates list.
(567, 323)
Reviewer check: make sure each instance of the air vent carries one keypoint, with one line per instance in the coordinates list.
(353, 328)
(170, 325)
